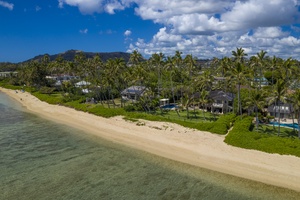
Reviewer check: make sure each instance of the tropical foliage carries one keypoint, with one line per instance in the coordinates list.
(256, 82)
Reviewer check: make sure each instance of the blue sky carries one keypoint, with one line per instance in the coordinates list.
(205, 29)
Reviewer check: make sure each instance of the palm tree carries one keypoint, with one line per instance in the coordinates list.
(289, 69)
(295, 98)
(238, 73)
(239, 55)
(256, 99)
(114, 71)
(190, 64)
(203, 100)
(224, 66)
(135, 58)
(257, 64)
(274, 64)
(178, 62)
(178, 59)
(157, 61)
(186, 101)
(279, 95)
(170, 68)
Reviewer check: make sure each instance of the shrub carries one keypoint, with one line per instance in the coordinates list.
(241, 136)
(46, 90)
(51, 99)
(129, 108)
(222, 125)
(106, 112)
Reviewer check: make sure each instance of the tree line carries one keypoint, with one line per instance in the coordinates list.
(256, 81)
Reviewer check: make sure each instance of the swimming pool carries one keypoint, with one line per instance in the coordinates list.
(169, 106)
(295, 125)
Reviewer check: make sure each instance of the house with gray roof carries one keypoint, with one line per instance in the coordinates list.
(133, 93)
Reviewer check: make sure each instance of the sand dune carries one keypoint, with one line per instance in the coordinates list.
(175, 142)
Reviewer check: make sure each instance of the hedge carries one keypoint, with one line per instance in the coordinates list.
(241, 136)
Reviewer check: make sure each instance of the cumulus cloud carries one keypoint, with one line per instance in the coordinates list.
(84, 31)
(215, 28)
(127, 33)
(5, 4)
(209, 28)
(113, 6)
(270, 32)
(219, 45)
(208, 17)
(92, 6)
(85, 6)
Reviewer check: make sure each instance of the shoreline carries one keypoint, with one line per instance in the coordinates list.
(172, 141)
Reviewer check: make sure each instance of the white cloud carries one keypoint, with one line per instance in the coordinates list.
(127, 33)
(112, 6)
(219, 45)
(270, 32)
(209, 28)
(214, 28)
(85, 6)
(255, 13)
(5, 4)
(84, 31)
(92, 6)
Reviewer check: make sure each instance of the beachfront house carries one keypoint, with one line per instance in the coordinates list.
(57, 80)
(262, 82)
(222, 101)
(84, 86)
(284, 110)
(133, 93)
(8, 74)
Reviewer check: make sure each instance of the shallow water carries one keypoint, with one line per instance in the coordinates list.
(40, 159)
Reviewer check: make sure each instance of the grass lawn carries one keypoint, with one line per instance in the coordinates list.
(195, 116)
(270, 130)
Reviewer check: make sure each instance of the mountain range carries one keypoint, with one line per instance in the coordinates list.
(70, 55)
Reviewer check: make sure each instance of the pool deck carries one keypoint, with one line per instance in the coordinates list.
(285, 121)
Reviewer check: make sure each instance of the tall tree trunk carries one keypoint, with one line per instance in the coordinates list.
(107, 100)
(278, 123)
(294, 130)
(113, 100)
(298, 124)
(256, 110)
(274, 114)
(239, 99)
(187, 111)
(173, 96)
(203, 113)
(177, 112)
(194, 110)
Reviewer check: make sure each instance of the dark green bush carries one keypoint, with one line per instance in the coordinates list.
(129, 108)
(51, 99)
(46, 90)
(106, 112)
(241, 136)
(222, 125)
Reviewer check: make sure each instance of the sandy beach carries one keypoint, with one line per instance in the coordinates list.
(175, 142)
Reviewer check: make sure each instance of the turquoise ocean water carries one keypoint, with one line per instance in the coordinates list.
(40, 159)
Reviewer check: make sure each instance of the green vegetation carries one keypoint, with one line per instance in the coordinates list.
(49, 98)
(220, 126)
(242, 136)
(253, 84)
